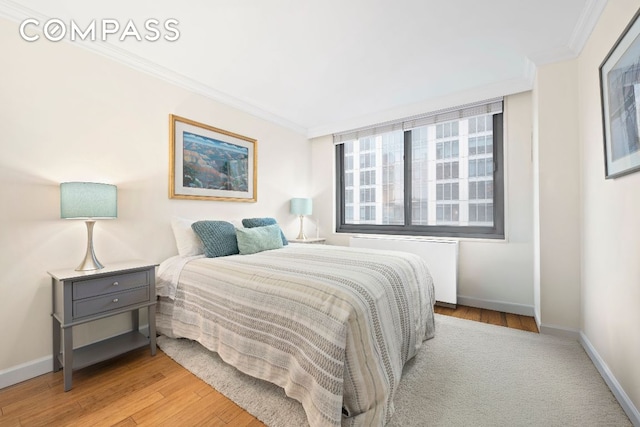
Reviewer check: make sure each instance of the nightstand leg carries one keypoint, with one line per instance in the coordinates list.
(67, 356)
(56, 329)
(151, 314)
(56, 344)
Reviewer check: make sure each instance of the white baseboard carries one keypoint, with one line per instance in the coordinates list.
(507, 307)
(559, 331)
(617, 390)
(523, 310)
(25, 371)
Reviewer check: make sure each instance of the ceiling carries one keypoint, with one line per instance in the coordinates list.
(324, 66)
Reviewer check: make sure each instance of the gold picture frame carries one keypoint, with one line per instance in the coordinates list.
(207, 163)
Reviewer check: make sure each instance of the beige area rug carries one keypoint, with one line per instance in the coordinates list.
(470, 374)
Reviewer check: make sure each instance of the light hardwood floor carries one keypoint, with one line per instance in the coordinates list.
(138, 390)
(525, 323)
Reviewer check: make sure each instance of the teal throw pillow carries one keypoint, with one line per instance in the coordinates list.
(261, 222)
(218, 237)
(258, 239)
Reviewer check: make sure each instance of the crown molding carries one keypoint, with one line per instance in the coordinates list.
(585, 25)
(141, 64)
(530, 70)
(586, 22)
(17, 13)
(489, 91)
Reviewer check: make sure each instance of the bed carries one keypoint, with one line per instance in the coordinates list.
(333, 326)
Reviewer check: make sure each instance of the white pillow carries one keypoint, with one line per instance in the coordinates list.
(187, 241)
(236, 223)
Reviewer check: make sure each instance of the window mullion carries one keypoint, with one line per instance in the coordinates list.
(498, 173)
(340, 194)
(408, 181)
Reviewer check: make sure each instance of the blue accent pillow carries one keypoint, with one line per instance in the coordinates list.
(258, 239)
(261, 222)
(218, 238)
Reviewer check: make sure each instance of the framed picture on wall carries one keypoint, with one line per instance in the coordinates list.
(620, 96)
(207, 163)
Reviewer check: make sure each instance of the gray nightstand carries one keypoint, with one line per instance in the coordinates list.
(316, 240)
(84, 296)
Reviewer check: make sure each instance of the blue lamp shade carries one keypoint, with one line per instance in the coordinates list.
(84, 200)
(301, 206)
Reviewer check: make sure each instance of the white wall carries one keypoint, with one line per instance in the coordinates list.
(610, 227)
(535, 153)
(492, 274)
(67, 115)
(587, 275)
(557, 198)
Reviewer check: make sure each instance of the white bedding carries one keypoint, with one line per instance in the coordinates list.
(331, 325)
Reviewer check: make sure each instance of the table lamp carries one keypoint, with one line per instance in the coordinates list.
(88, 201)
(302, 207)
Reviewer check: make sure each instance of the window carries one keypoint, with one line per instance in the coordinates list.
(438, 174)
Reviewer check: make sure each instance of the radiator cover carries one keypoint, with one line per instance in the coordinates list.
(441, 257)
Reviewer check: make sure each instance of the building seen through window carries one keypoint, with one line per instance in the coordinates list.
(451, 175)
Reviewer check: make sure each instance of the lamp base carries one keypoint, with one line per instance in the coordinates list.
(90, 261)
(301, 235)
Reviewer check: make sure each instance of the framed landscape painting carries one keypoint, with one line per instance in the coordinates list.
(620, 91)
(207, 163)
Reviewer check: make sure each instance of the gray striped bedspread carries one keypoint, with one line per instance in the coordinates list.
(331, 325)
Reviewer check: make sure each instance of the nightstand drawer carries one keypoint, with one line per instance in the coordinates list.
(107, 285)
(114, 301)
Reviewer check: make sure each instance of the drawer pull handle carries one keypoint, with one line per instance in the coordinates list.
(115, 283)
(115, 300)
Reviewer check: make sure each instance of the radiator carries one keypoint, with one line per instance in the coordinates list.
(441, 257)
